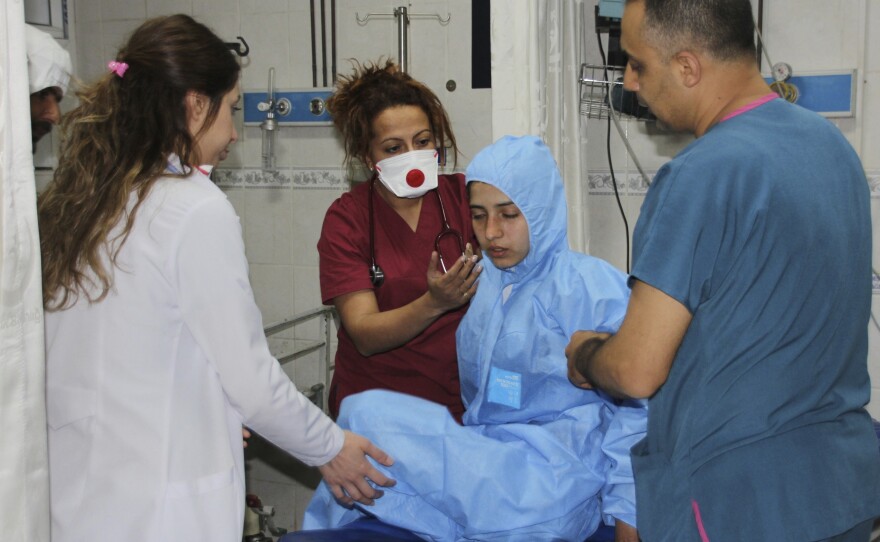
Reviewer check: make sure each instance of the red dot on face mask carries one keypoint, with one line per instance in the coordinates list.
(415, 178)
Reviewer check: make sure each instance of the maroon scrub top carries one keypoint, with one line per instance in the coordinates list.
(427, 365)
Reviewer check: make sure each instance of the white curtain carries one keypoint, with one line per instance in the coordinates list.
(537, 50)
(24, 475)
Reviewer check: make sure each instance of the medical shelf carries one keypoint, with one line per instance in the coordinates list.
(601, 87)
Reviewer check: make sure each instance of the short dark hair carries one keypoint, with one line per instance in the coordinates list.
(724, 29)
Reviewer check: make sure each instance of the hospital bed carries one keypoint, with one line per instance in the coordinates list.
(371, 529)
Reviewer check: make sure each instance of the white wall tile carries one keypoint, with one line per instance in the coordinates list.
(86, 11)
(89, 49)
(123, 10)
(273, 290)
(870, 121)
(872, 50)
(269, 220)
(267, 37)
(116, 33)
(309, 208)
(221, 16)
(825, 40)
(169, 7)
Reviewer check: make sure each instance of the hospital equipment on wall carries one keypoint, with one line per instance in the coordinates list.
(377, 276)
(271, 107)
(241, 49)
(403, 17)
(302, 347)
(275, 109)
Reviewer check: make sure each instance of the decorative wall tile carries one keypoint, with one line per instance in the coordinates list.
(636, 184)
(299, 178)
(227, 178)
(319, 178)
(260, 178)
(874, 182)
(599, 182)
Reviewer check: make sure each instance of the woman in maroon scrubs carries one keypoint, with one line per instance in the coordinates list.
(396, 256)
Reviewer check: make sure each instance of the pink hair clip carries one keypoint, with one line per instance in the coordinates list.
(117, 67)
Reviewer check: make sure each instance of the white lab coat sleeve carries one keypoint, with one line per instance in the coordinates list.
(209, 267)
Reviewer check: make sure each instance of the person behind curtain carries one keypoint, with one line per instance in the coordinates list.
(49, 71)
(155, 350)
(397, 333)
(536, 459)
(751, 293)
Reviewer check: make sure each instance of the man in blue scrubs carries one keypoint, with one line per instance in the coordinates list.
(751, 292)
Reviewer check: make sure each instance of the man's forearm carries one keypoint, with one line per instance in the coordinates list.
(589, 363)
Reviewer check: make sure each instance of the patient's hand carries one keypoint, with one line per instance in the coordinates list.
(574, 354)
(624, 532)
(348, 473)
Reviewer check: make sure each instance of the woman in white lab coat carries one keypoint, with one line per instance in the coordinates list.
(156, 356)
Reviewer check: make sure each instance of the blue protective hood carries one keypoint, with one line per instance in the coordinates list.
(536, 458)
(524, 169)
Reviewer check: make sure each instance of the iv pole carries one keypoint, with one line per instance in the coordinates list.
(403, 19)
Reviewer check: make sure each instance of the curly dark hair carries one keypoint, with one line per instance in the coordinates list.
(370, 90)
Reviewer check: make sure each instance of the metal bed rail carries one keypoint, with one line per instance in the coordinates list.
(317, 393)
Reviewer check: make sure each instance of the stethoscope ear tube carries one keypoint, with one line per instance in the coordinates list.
(377, 276)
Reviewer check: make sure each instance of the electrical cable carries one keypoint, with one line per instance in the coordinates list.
(608, 147)
(763, 45)
(785, 90)
(625, 139)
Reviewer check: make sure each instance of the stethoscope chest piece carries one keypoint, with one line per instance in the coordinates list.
(377, 276)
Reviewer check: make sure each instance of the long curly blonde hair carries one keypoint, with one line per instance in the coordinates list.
(117, 142)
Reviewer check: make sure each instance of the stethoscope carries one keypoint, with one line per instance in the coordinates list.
(377, 276)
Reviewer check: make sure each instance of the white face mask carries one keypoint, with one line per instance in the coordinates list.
(409, 175)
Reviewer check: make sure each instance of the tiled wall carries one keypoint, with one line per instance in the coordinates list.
(282, 212)
(823, 36)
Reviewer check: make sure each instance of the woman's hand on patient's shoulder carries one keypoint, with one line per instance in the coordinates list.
(349, 473)
(458, 285)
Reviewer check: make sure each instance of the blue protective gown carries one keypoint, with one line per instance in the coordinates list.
(537, 458)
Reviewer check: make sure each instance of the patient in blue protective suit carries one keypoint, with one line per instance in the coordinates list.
(536, 458)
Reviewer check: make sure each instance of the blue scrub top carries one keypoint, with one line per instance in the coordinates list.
(762, 229)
